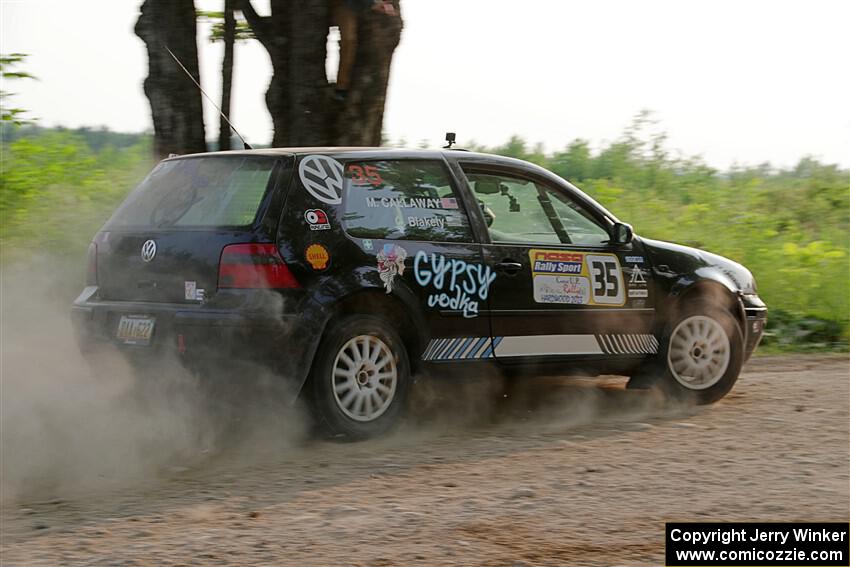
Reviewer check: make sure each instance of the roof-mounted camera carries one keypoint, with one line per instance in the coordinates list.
(450, 140)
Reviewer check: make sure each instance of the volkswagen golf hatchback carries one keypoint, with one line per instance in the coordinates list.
(348, 271)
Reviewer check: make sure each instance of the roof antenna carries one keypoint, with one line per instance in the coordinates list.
(450, 139)
(226, 119)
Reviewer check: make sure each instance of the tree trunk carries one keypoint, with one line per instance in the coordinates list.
(178, 119)
(299, 98)
(224, 133)
(305, 116)
(360, 120)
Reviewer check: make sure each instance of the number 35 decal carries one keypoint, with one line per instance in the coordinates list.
(607, 279)
(365, 174)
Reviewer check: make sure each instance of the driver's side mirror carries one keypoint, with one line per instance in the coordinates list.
(622, 233)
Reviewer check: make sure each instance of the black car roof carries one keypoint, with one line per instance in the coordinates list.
(360, 151)
(378, 152)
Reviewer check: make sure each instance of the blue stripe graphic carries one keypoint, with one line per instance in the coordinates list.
(446, 354)
(427, 354)
(447, 343)
(478, 344)
(463, 344)
(461, 348)
(489, 352)
(478, 348)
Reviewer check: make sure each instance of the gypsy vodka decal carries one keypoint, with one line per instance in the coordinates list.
(453, 284)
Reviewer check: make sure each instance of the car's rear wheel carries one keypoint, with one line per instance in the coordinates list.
(700, 358)
(360, 378)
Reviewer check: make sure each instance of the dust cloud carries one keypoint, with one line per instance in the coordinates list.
(71, 424)
(540, 405)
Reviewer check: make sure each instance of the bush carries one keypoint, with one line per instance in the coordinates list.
(55, 191)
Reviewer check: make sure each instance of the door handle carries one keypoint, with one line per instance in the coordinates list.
(508, 267)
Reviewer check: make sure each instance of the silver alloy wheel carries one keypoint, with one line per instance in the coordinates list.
(364, 378)
(699, 352)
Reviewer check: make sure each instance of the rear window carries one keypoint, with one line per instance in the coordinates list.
(403, 200)
(197, 192)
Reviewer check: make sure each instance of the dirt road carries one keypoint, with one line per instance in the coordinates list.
(563, 474)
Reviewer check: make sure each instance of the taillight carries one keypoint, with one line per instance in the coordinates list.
(253, 266)
(91, 265)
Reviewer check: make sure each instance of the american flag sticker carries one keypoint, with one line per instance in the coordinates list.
(448, 202)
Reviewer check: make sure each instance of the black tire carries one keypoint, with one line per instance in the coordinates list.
(331, 414)
(667, 371)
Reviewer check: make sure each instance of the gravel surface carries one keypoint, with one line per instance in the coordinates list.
(560, 473)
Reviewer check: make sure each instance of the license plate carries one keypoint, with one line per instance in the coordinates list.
(135, 329)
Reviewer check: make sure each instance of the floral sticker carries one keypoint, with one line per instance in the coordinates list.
(391, 262)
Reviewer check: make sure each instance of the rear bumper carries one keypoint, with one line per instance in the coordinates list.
(203, 336)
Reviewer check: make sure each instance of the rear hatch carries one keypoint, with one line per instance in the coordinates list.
(163, 244)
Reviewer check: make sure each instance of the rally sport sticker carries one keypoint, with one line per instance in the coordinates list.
(576, 278)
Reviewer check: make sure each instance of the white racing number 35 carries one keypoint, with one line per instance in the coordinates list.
(607, 278)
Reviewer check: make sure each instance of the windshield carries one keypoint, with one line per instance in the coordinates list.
(197, 192)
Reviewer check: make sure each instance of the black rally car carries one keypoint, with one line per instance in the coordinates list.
(347, 271)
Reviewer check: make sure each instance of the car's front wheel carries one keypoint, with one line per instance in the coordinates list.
(700, 357)
(360, 378)
(702, 354)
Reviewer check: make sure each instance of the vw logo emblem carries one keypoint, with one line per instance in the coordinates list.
(148, 250)
(322, 178)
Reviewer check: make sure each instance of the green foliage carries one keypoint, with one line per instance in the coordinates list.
(243, 30)
(56, 190)
(791, 227)
(789, 331)
(7, 114)
(95, 138)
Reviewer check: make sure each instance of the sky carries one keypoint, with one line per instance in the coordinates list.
(737, 81)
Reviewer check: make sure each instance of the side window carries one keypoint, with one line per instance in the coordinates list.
(581, 228)
(402, 200)
(520, 210)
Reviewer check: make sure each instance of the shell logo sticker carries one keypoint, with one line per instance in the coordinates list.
(318, 257)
